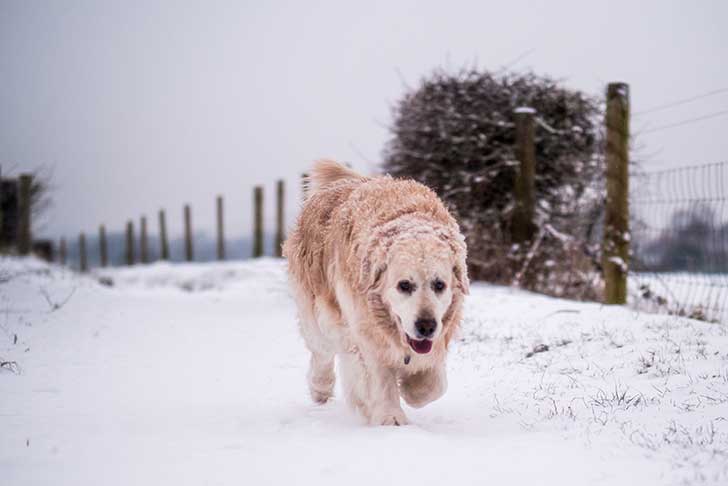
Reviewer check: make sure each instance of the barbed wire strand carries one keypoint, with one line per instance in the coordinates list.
(680, 102)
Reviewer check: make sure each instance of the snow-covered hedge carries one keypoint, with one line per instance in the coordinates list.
(455, 133)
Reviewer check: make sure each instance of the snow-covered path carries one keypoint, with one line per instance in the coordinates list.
(194, 374)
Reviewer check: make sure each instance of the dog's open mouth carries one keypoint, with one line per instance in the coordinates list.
(422, 346)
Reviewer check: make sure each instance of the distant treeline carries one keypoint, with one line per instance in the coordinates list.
(694, 241)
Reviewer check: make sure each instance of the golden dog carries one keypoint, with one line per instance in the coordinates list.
(377, 268)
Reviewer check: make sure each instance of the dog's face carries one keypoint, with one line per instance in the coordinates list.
(418, 289)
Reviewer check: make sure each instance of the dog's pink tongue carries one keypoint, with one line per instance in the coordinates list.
(422, 347)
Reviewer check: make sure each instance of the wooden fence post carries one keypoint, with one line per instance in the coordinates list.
(615, 247)
(189, 251)
(220, 230)
(164, 245)
(143, 243)
(129, 243)
(304, 185)
(280, 231)
(522, 226)
(25, 236)
(10, 213)
(83, 261)
(62, 251)
(103, 249)
(258, 222)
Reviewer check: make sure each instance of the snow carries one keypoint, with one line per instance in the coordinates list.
(195, 374)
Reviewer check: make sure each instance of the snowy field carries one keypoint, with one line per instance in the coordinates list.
(195, 374)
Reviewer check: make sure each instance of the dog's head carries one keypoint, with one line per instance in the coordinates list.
(417, 276)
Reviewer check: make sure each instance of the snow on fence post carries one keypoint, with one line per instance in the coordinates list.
(189, 251)
(164, 246)
(615, 247)
(280, 232)
(143, 242)
(62, 251)
(129, 243)
(258, 222)
(103, 249)
(220, 230)
(82, 260)
(523, 228)
(25, 237)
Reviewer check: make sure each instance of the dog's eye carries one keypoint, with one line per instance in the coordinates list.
(405, 286)
(438, 286)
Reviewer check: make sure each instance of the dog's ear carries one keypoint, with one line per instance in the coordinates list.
(460, 267)
(460, 271)
(452, 317)
(372, 269)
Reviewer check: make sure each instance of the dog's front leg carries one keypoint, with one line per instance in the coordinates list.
(384, 396)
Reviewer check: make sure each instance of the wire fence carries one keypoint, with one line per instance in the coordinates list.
(680, 241)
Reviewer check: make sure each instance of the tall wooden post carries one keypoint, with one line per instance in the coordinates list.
(24, 210)
(103, 249)
(280, 231)
(189, 252)
(258, 222)
(615, 247)
(82, 259)
(62, 251)
(220, 230)
(129, 243)
(164, 245)
(523, 226)
(143, 242)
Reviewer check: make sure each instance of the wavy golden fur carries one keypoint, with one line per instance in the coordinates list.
(355, 239)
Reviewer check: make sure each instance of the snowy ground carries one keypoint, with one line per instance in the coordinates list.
(194, 374)
(682, 293)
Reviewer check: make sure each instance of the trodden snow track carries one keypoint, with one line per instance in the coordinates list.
(195, 374)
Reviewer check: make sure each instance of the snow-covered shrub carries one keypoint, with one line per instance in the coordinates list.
(455, 133)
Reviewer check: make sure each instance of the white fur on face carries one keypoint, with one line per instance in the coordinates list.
(421, 267)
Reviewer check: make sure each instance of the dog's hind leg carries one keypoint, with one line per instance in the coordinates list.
(321, 377)
(317, 317)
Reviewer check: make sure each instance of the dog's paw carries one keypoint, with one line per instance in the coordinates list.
(390, 418)
(320, 397)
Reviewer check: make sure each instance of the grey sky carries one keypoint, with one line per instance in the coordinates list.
(142, 105)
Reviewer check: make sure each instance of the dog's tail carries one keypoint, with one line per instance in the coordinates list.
(326, 172)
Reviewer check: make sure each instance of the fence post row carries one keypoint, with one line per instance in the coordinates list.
(189, 251)
(164, 245)
(82, 259)
(280, 232)
(615, 247)
(129, 243)
(103, 249)
(220, 230)
(24, 208)
(143, 243)
(523, 227)
(258, 222)
(62, 251)
(304, 185)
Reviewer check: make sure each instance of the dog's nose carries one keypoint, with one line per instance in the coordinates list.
(425, 327)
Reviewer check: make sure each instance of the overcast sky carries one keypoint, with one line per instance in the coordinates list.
(138, 105)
